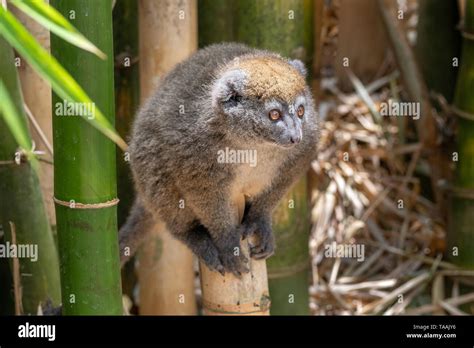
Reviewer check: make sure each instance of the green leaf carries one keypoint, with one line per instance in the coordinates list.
(12, 119)
(49, 69)
(50, 18)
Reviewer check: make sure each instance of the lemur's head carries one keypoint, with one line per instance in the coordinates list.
(263, 98)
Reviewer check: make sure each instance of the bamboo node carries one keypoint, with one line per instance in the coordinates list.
(21, 155)
(72, 204)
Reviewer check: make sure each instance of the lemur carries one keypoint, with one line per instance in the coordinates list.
(225, 96)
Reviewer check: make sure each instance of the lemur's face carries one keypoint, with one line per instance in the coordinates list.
(264, 99)
(283, 121)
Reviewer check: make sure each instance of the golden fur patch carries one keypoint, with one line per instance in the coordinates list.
(271, 77)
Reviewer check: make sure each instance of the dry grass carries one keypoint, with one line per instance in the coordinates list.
(371, 175)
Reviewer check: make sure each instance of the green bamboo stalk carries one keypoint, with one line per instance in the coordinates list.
(127, 97)
(216, 21)
(288, 268)
(462, 203)
(268, 24)
(438, 42)
(284, 26)
(22, 204)
(85, 170)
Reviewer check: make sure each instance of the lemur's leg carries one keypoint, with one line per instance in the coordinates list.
(183, 226)
(198, 239)
(218, 216)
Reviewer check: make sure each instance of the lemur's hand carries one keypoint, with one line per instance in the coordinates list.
(260, 227)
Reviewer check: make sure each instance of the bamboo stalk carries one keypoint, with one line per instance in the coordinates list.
(23, 206)
(216, 21)
(363, 50)
(127, 94)
(285, 27)
(85, 171)
(461, 234)
(167, 35)
(417, 91)
(437, 32)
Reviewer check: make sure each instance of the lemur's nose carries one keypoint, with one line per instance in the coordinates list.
(295, 139)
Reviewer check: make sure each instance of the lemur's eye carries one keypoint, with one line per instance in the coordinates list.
(274, 115)
(300, 111)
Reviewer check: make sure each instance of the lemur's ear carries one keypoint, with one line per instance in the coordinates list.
(228, 87)
(299, 65)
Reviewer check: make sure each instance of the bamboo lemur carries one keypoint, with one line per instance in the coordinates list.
(226, 96)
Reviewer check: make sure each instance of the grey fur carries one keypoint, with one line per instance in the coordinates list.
(196, 112)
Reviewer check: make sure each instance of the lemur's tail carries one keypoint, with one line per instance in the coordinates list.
(134, 230)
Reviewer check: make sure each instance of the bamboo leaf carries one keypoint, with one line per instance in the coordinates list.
(12, 119)
(17, 128)
(49, 69)
(51, 19)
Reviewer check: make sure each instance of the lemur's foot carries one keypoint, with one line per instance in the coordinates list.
(231, 255)
(263, 245)
(235, 264)
(200, 242)
(212, 260)
(262, 250)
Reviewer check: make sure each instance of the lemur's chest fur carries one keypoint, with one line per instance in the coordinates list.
(250, 179)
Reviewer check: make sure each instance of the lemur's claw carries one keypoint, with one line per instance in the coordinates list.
(261, 251)
(235, 264)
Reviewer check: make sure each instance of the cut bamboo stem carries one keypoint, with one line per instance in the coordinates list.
(229, 295)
